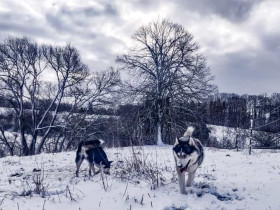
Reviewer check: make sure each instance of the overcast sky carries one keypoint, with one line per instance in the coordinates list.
(240, 38)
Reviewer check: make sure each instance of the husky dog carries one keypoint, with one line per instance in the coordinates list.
(94, 154)
(188, 154)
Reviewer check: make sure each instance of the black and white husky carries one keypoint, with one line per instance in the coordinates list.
(94, 154)
(188, 154)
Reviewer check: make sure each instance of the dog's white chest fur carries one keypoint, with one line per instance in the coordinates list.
(190, 160)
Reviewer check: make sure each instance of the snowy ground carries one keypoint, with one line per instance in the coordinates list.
(226, 180)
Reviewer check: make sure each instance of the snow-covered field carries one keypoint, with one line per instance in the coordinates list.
(226, 180)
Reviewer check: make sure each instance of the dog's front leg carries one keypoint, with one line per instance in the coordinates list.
(89, 168)
(190, 178)
(181, 180)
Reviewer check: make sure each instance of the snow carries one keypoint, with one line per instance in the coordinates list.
(227, 179)
(220, 132)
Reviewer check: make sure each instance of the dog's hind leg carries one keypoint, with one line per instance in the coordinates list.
(79, 161)
(190, 178)
(181, 180)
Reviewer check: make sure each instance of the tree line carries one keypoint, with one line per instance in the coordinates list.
(236, 111)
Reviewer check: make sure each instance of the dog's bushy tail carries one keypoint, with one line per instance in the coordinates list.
(189, 132)
(93, 144)
(98, 143)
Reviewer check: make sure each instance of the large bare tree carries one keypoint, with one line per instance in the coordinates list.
(168, 67)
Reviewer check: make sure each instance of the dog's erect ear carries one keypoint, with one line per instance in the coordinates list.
(101, 142)
(191, 142)
(176, 141)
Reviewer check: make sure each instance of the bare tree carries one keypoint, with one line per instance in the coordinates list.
(18, 60)
(96, 91)
(69, 71)
(168, 68)
(23, 64)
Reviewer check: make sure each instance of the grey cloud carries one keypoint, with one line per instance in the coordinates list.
(68, 25)
(7, 16)
(146, 4)
(75, 25)
(247, 72)
(111, 10)
(271, 42)
(87, 42)
(233, 10)
(56, 22)
(10, 25)
(108, 9)
(101, 47)
(68, 19)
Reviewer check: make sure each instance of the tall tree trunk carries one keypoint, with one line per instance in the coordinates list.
(159, 134)
(24, 146)
(33, 143)
(159, 126)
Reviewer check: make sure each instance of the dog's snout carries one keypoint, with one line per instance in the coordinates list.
(180, 165)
